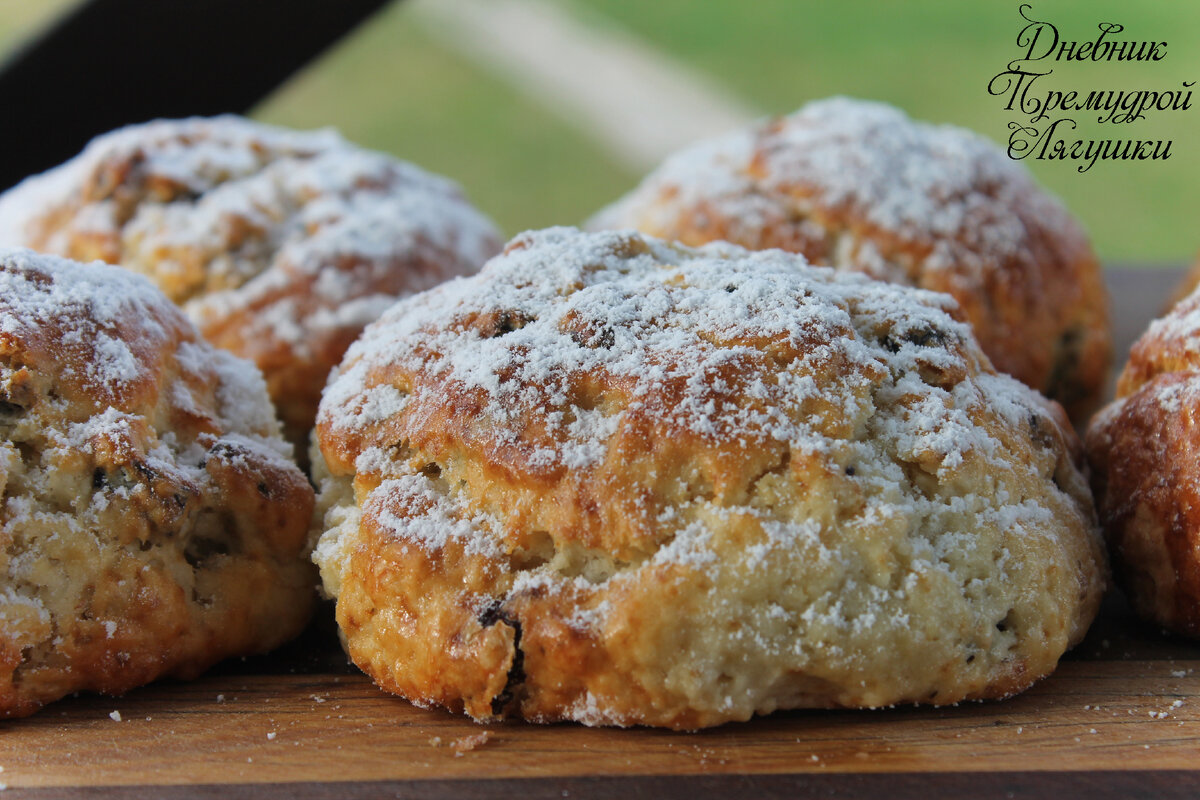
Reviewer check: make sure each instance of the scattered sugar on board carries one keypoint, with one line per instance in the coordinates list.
(465, 744)
(462, 744)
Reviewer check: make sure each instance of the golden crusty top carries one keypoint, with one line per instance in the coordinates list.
(576, 360)
(1170, 343)
(151, 519)
(623, 481)
(105, 348)
(279, 244)
(222, 200)
(858, 185)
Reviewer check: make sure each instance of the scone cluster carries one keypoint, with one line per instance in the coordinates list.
(152, 521)
(620, 481)
(861, 187)
(280, 245)
(609, 478)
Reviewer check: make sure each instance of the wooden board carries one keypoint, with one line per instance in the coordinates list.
(1120, 718)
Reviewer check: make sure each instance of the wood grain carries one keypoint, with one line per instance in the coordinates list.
(1164, 785)
(1120, 718)
(1091, 715)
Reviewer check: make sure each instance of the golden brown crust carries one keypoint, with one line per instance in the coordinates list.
(1144, 449)
(151, 523)
(624, 482)
(280, 245)
(1145, 454)
(1167, 345)
(859, 186)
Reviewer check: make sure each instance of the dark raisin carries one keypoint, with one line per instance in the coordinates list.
(493, 614)
(602, 340)
(146, 471)
(889, 344)
(921, 337)
(516, 673)
(508, 322)
(925, 338)
(498, 323)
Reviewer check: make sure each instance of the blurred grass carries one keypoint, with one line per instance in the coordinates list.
(19, 19)
(934, 59)
(392, 88)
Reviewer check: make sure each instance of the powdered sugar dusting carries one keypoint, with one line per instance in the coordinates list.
(114, 327)
(93, 304)
(412, 508)
(802, 463)
(908, 177)
(280, 245)
(1180, 327)
(941, 188)
(683, 332)
(646, 320)
(232, 194)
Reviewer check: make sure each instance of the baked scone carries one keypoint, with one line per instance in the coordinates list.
(1144, 450)
(280, 245)
(151, 520)
(618, 481)
(859, 186)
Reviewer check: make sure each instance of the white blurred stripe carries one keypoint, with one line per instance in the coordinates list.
(632, 100)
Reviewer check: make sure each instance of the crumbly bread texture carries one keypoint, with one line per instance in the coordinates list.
(1144, 450)
(620, 481)
(280, 245)
(859, 186)
(151, 522)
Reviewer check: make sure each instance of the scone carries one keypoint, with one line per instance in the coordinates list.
(618, 481)
(151, 520)
(280, 245)
(1144, 449)
(859, 186)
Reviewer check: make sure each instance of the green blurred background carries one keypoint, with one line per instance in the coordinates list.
(394, 87)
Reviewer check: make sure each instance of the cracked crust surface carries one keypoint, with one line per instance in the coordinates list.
(280, 245)
(151, 521)
(1144, 449)
(861, 187)
(619, 481)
